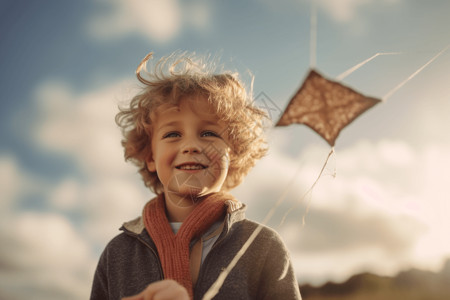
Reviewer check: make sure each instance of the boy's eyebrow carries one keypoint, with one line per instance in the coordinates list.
(173, 123)
(207, 122)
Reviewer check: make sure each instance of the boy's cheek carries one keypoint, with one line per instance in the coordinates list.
(216, 153)
(221, 158)
(220, 165)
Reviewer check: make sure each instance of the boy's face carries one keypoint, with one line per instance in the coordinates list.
(190, 151)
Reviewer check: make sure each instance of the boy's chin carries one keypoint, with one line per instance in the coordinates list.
(186, 190)
(185, 196)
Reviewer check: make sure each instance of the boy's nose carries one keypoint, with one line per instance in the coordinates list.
(192, 148)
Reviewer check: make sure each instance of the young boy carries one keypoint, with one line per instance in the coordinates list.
(194, 135)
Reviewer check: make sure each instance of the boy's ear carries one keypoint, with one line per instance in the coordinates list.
(151, 164)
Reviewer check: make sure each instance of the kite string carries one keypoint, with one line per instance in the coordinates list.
(313, 35)
(356, 67)
(309, 192)
(215, 287)
(391, 92)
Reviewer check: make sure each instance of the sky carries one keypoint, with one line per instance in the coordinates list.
(380, 206)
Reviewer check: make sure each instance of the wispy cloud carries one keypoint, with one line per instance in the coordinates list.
(159, 21)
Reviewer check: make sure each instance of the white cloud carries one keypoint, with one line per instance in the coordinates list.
(16, 183)
(386, 210)
(159, 20)
(54, 253)
(82, 128)
(346, 10)
(342, 10)
(43, 257)
(66, 195)
(108, 203)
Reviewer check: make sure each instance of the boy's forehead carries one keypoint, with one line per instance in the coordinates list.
(198, 105)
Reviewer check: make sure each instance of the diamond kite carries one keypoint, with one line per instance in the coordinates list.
(325, 106)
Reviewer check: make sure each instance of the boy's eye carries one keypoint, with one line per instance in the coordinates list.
(209, 133)
(171, 134)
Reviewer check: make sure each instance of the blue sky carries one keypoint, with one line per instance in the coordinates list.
(66, 65)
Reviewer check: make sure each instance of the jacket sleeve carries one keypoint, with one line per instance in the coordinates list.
(278, 280)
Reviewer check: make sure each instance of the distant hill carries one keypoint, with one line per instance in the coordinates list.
(412, 285)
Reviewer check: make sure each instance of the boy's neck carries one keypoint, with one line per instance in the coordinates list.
(179, 207)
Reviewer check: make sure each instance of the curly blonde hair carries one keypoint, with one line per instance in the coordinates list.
(179, 75)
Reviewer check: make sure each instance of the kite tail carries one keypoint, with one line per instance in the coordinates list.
(308, 193)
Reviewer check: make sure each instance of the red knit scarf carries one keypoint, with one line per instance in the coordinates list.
(173, 249)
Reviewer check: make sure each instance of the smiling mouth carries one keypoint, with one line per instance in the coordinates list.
(191, 166)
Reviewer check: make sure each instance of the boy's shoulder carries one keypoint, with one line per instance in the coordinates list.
(135, 226)
(240, 229)
(130, 232)
(265, 232)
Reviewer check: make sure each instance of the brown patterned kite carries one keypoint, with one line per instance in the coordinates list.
(325, 106)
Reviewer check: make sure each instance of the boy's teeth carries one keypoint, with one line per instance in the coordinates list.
(191, 167)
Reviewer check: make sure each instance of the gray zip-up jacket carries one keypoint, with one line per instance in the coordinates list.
(130, 262)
